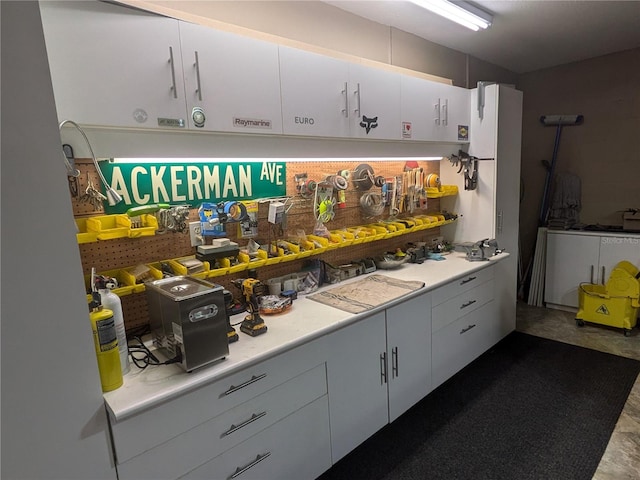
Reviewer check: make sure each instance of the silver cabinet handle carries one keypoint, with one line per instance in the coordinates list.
(345, 94)
(465, 305)
(173, 74)
(239, 471)
(592, 274)
(436, 107)
(445, 110)
(467, 329)
(500, 219)
(470, 279)
(383, 368)
(253, 379)
(197, 65)
(235, 428)
(603, 280)
(357, 93)
(394, 362)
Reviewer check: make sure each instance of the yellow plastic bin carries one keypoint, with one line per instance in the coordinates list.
(615, 304)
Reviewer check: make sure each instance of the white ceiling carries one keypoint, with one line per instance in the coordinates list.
(526, 35)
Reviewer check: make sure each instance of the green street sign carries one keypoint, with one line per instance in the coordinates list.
(193, 181)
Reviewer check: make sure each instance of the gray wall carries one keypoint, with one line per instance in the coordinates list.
(53, 416)
(603, 151)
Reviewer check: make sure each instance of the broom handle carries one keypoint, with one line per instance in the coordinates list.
(547, 184)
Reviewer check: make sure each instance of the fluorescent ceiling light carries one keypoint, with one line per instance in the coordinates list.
(460, 12)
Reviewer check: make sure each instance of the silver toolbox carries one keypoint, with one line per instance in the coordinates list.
(188, 319)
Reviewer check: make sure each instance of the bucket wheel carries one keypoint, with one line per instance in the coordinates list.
(579, 322)
(627, 332)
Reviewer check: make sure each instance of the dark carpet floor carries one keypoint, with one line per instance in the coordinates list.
(529, 408)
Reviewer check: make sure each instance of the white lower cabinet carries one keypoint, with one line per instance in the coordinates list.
(377, 368)
(295, 447)
(461, 342)
(465, 323)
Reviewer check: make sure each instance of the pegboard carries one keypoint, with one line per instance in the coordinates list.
(126, 252)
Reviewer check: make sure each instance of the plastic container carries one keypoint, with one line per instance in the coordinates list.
(112, 302)
(615, 304)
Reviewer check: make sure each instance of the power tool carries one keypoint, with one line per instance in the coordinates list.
(232, 336)
(252, 289)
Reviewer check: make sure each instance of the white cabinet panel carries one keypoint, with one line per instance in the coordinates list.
(461, 342)
(111, 65)
(235, 81)
(571, 260)
(454, 113)
(374, 103)
(614, 249)
(314, 94)
(296, 447)
(420, 109)
(461, 305)
(357, 373)
(409, 353)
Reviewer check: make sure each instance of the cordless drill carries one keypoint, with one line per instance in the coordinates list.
(252, 289)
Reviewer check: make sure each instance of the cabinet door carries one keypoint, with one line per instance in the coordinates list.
(614, 250)
(571, 260)
(314, 94)
(420, 109)
(374, 103)
(357, 373)
(409, 350)
(111, 65)
(454, 113)
(234, 80)
(462, 341)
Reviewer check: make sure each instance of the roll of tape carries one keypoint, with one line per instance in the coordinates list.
(345, 174)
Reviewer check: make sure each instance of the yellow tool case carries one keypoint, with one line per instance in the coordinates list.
(615, 304)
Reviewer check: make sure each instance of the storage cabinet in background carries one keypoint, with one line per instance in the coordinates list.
(114, 66)
(574, 258)
(234, 80)
(378, 368)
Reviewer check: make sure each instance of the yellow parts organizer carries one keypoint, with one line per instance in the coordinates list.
(615, 304)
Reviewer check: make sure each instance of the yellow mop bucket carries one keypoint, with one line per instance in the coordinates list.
(615, 304)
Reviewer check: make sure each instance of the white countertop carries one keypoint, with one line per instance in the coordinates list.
(306, 321)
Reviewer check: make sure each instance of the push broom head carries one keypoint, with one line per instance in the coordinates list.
(554, 120)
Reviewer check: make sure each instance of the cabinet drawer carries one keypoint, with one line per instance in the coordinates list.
(461, 285)
(208, 440)
(461, 305)
(459, 343)
(140, 433)
(296, 447)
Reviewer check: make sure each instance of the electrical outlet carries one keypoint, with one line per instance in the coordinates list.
(194, 234)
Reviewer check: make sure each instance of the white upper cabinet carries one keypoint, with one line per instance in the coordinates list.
(232, 82)
(454, 114)
(325, 96)
(114, 66)
(433, 111)
(374, 103)
(420, 109)
(314, 94)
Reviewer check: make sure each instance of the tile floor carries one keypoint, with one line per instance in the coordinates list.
(621, 460)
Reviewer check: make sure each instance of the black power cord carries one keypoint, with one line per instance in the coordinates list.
(142, 357)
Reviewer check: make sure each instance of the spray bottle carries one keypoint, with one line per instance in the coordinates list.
(112, 302)
(106, 345)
